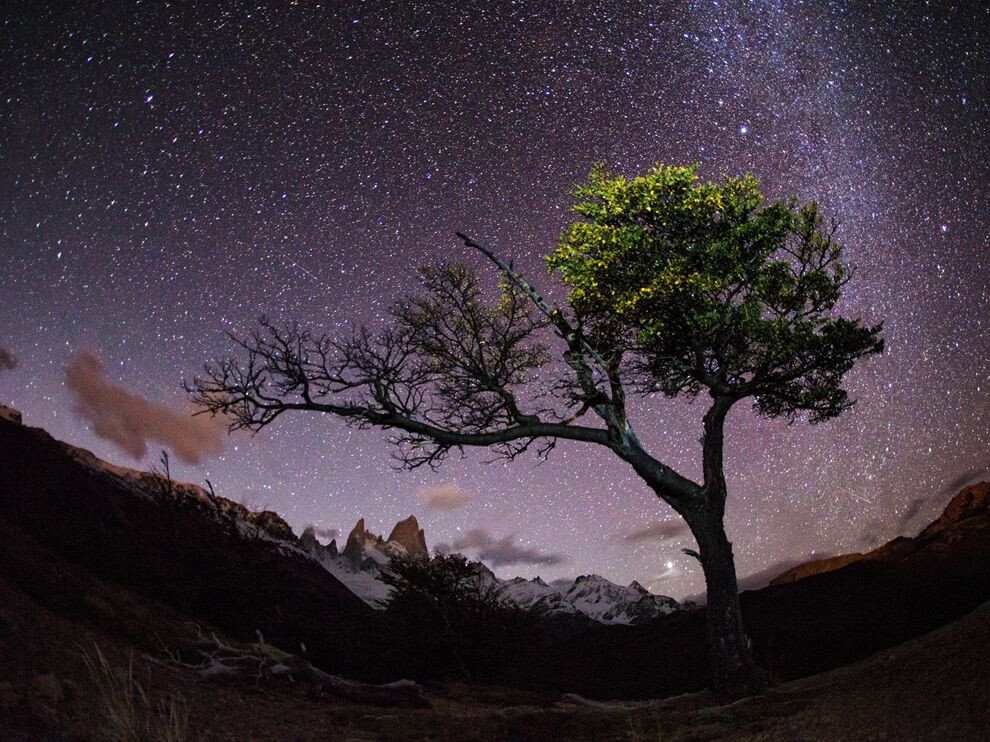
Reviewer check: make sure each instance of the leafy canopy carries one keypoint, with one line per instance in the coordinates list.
(706, 285)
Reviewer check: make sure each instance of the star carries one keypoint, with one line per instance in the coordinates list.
(307, 161)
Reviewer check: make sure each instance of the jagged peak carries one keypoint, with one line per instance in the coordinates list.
(594, 579)
(406, 538)
(354, 547)
(411, 537)
(636, 586)
(409, 522)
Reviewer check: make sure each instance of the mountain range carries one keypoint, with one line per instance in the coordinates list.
(87, 547)
(365, 556)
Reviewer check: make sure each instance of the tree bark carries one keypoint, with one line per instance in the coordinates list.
(734, 672)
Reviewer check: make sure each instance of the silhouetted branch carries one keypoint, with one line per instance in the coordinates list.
(449, 372)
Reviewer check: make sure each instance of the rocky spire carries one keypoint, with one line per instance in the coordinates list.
(310, 543)
(308, 539)
(410, 536)
(354, 549)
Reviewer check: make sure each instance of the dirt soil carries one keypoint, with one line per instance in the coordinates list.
(931, 688)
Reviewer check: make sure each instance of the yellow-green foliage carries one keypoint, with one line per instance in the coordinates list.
(657, 239)
(671, 264)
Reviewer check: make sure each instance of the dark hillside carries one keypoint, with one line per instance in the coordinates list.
(805, 626)
(175, 551)
(68, 519)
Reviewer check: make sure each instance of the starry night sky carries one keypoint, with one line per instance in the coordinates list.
(168, 173)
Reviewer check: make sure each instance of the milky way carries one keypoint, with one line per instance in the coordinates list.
(168, 173)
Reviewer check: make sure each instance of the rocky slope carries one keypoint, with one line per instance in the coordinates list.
(608, 603)
(814, 621)
(966, 515)
(590, 596)
(69, 525)
(176, 545)
(358, 566)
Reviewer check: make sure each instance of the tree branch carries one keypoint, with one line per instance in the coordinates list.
(611, 409)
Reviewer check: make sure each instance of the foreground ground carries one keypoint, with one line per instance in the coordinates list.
(931, 688)
(101, 565)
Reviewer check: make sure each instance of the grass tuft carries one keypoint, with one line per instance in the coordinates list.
(129, 713)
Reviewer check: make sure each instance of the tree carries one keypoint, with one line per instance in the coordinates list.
(453, 610)
(674, 286)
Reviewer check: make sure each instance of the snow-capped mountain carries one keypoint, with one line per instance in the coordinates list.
(534, 595)
(591, 595)
(366, 555)
(606, 602)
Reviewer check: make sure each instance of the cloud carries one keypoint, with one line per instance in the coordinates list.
(444, 496)
(8, 361)
(669, 573)
(762, 578)
(967, 477)
(871, 533)
(130, 421)
(952, 487)
(500, 552)
(660, 530)
(325, 534)
(910, 512)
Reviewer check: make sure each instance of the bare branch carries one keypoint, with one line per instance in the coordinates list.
(611, 409)
(449, 372)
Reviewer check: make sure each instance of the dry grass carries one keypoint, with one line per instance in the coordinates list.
(130, 713)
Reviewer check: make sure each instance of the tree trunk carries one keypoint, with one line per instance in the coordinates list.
(734, 671)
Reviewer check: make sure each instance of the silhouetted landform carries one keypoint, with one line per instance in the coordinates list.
(813, 620)
(211, 560)
(97, 553)
(964, 517)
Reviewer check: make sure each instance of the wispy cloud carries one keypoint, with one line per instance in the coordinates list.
(8, 361)
(661, 530)
(500, 552)
(131, 422)
(326, 533)
(871, 535)
(967, 477)
(910, 513)
(446, 496)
